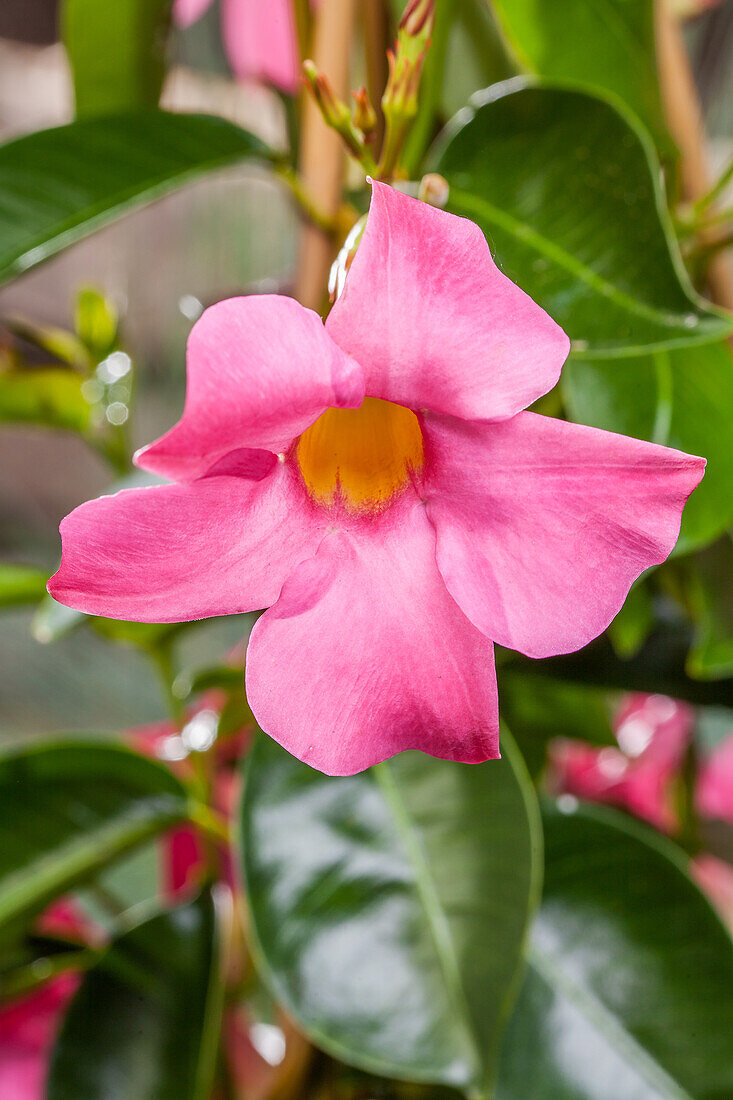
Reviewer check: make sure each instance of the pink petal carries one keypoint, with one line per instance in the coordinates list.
(365, 654)
(171, 553)
(260, 370)
(27, 1031)
(715, 785)
(260, 41)
(543, 526)
(186, 12)
(433, 321)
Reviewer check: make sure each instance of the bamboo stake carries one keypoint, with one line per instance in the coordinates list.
(685, 121)
(321, 151)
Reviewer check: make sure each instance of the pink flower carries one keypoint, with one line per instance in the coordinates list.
(714, 793)
(653, 732)
(376, 484)
(259, 37)
(29, 1025)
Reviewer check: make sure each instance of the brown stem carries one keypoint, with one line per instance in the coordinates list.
(685, 121)
(321, 151)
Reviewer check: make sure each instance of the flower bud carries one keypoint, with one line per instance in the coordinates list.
(364, 117)
(434, 190)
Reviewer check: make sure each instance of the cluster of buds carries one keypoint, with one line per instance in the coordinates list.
(399, 102)
(357, 129)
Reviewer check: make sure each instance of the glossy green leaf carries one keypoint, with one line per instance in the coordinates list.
(69, 809)
(117, 52)
(57, 186)
(49, 396)
(709, 584)
(628, 990)
(566, 188)
(145, 1022)
(634, 622)
(21, 584)
(607, 44)
(389, 909)
(683, 399)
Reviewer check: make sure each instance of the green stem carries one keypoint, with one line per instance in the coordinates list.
(431, 89)
(717, 189)
(305, 200)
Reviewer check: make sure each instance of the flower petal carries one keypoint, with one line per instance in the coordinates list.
(543, 526)
(260, 41)
(171, 553)
(260, 370)
(186, 12)
(365, 655)
(433, 321)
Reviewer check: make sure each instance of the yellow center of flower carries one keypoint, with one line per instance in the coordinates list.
(361, 457)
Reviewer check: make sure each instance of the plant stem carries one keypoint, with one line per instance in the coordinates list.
(327, 223)
(376, 42)
(716, 190)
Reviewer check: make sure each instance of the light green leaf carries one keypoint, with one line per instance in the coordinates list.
(21, 584)
(69, 809)
(683, 399)
(51, 396)
(389, 909)
(628, 990)
(145, 1023)
(57, 186)
(566, 189)
(607, 44)
(117, 52)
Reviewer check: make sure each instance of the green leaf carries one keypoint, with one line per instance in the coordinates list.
(608, 45)
(57, 186)
(683, 399)
(566, 188)
(389, 909)
(69, 809)
(50, 396)
(145, 1023)
(659, 666)
(630, 973)
(634, 622)
(710, 594)
(117, 53)
(21, 584)
(537, 710)
(95, 322)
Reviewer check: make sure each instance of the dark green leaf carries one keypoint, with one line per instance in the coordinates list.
(659, 666)
(51, 396)
(628, 991)
(21, 584)
(57, 186)
(566, 189)
(69, 809)
(116, 52)
(389, 909)
(538, 709)
(709, 576)
(683, 399)
(607, 44)
(145, 1023)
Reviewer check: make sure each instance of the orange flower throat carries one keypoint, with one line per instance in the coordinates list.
(361, 457)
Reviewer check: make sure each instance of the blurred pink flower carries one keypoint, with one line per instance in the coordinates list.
(29, 1025)
(653, 732)
(715, 783)
(377, 483)
(259, 38)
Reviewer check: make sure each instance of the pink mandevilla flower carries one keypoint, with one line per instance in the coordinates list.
(376, 484)
(259, 38)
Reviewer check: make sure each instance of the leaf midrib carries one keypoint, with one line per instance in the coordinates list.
(435, 916)
(605, 1021)
(464, 201)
